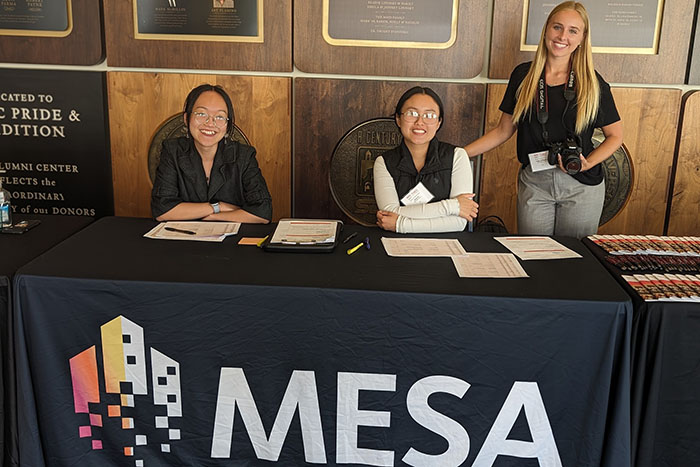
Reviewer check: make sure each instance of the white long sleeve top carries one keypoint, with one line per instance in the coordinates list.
(437, 216)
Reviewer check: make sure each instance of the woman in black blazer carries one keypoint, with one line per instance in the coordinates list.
(205, 175)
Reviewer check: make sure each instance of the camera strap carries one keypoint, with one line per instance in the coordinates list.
(543, 100)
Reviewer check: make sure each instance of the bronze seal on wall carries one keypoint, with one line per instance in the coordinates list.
(350, 176)
(174, 127)
(618, 172)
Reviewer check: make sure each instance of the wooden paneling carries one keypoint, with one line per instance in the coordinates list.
(649, 118)
(275, 54)
(83, 46)
(140, 102)
(464, 59)
(684, 218)
(666, 67)
(499, 169)
(326, 109)
(694, 75)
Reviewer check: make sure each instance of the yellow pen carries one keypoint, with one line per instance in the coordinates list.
(262, 241)
(355, 248)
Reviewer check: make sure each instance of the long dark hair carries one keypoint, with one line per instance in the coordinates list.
(198, 91)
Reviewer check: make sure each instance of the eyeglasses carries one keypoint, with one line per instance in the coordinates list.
(411, 116)
(202, 118)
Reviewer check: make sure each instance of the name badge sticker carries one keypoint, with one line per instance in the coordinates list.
(419, 194)
(539, 162)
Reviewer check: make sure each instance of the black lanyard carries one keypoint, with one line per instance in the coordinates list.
(543, 100)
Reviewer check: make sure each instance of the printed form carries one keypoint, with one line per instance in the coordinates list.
(537, 248)
(423, 247)
(488, 265)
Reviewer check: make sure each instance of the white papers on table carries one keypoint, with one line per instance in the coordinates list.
(423, 247)
(194, 231)
(537, 248)
(494, 265)
(305, 231)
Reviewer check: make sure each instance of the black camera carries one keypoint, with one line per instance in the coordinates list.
(570, 155)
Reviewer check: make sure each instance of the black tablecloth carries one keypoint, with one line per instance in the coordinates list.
(665, 378)
(543, 359)
(15, 251)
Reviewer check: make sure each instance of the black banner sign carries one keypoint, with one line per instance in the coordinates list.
(53, 134)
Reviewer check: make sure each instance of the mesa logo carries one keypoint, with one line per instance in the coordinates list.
(125, 382)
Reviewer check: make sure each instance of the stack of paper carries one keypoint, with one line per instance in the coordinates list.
(305, 231)
(194, 230)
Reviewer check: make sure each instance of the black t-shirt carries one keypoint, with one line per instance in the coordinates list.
(530, 130)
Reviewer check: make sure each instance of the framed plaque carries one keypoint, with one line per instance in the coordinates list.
(388, 23)
(40, 18)
(438, 38)
(203, 20)
(619, 27)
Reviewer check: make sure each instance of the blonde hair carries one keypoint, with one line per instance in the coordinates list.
(587, 86)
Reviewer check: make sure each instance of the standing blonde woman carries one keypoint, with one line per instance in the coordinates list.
(555, 102)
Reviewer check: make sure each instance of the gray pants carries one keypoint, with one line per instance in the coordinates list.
(551, 202)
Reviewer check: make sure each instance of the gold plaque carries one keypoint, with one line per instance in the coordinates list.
(415, 24)
(200, 20)
(36, 18)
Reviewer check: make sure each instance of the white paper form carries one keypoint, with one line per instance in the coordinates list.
(495, 265)
(537, 248)
(419, 194)
(194, 231)
(305, 231)
(423, 247)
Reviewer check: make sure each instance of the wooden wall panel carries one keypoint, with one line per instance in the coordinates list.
(684, 218)
(326, 109)
(666, 67)
(499, 169)
(694, 74)
(649, 118)
(464, 59)
(83, 46)
(275, 54)
(140, 102)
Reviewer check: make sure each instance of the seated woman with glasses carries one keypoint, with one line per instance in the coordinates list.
(423, 185)
(206, 175)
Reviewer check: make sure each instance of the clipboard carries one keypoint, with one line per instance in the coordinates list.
(304, 236)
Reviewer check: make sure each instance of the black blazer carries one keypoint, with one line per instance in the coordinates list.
(235, 178)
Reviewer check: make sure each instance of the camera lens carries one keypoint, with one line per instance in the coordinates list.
(572, 164)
